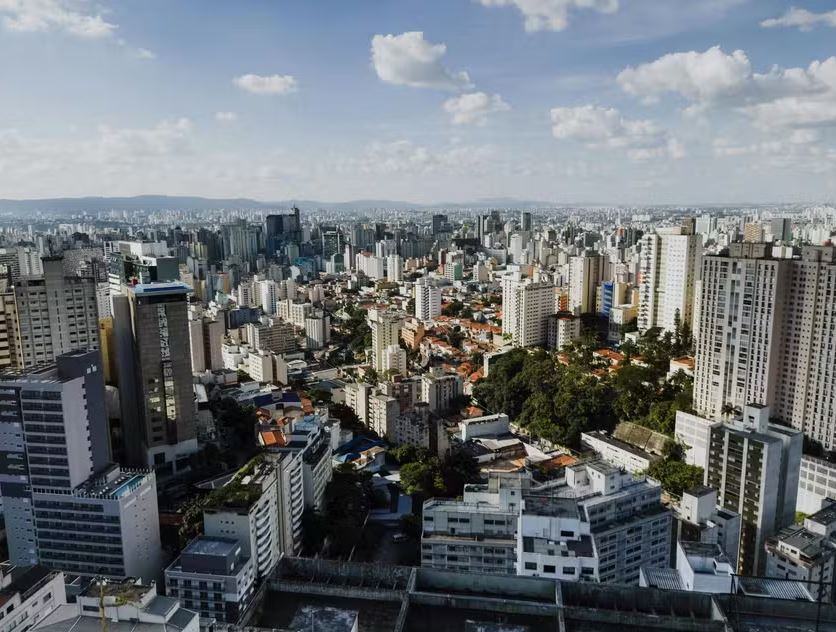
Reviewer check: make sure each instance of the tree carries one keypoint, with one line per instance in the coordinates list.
(423, 477)
(676, 476)
(347, 417)
(458, 469)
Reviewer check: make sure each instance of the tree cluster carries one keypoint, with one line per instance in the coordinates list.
(558, 402)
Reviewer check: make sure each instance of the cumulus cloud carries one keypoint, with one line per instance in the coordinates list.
(410, 60)
(144, 53)
(53, 15)
(596, 126)
(474, 107)
(226, 117)
(269, 84)
(552, 15)
(802, 19)
(791, 97)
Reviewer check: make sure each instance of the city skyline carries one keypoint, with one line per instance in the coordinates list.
(615, 103)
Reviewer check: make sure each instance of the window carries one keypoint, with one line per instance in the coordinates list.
(549, 569)
(531, 566)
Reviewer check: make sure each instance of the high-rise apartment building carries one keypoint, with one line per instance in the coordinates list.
(386, 329)
(669, 268)
(246, 509)
(586, 271)
(754, 465)
(763, 332)
(55, 315)
(427, 300)
(526, 307)
(317, 329)
(272, 334)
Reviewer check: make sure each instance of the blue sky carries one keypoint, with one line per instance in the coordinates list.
(609, 101)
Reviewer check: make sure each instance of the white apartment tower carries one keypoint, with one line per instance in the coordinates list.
(764, 331)
(669, 268)
(386, 329)
(427, 300)
(586, 272)
(526, 307)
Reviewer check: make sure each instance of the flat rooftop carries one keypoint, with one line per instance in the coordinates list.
(545, 504)
(204, 545)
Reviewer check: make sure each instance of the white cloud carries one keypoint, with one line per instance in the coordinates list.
(474, 107)
(129, 144)
(552, 15)
(144, 53)
(406, 157)
(788, 97)
(596, 127)
(54, 15)
(271, 84)
(226, 117)
(802, 18)
(410, 60)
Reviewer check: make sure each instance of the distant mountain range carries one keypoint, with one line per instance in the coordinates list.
(167, 202)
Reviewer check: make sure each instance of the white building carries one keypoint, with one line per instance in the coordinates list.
(317, 329)
(123, 604)
(700, 567)
(29, 594)
(618, 452)
(427, 300)
(763, 335)
(526, 307)
(586, 272)
(246, 509)
(394, 268)
(386, 329)
(816, 483)
(599, 523)
(562, 329)
(699, 519)
(439, 390)
(383, 411)
(669, 269)
(694, 432)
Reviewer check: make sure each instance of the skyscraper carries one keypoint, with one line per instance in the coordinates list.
(55, 314)
(281, 230)
(160, 359)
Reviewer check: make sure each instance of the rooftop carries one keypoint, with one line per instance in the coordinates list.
(205, 545)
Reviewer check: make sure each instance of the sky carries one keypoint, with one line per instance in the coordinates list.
(430, 101)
